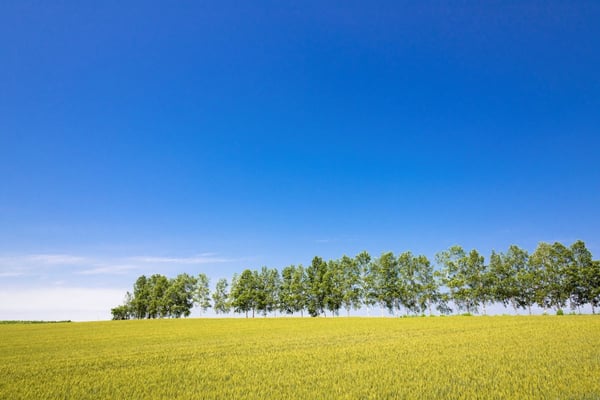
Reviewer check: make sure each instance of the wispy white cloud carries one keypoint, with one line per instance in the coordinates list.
(108, 270)
(32, 260)
(15, 266)
(201, 259)
(11, 274)
(57, 259)
(46, 265)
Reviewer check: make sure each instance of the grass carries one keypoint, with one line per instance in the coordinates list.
(539, 357)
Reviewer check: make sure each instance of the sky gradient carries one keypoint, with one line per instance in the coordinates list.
(151, 137)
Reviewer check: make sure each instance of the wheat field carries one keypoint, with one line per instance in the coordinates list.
(508, 357)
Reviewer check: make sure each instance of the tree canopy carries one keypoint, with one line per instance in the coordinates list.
(552, 277)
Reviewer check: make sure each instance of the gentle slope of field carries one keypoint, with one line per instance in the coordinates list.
(356, 358)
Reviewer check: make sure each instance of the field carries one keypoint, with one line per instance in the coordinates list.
(542, 357)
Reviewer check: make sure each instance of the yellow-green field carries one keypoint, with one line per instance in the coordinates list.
(544, 357)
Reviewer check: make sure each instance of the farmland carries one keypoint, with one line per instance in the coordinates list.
(518, 357)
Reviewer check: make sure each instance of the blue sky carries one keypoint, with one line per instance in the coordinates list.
(156, 137)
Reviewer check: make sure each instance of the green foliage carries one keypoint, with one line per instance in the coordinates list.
(552, 277)
(465, 275)
(220, 297)
(293, 291)
(202, 292)
(316, 286)
(160, 297)
(244, 295)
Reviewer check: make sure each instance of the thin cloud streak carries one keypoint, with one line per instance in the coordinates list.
(41, 260)
(180, 260)
(108, 270)
(41, 264)
(57, 259)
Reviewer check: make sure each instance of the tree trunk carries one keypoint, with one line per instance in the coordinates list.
(429, 306)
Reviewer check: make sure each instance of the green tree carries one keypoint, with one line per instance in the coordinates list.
(387, 284)
(511, 278)
(426, 281)
(367, 280)
(465, 276)
(220, 297)
(202, 292)
(593, 280)
(267, 283)
(333, 285)
(124, 311)
(409, 288)
(351, 283)
(479, 280)
(581, 277)
(243, 293)
(293, 290)
(317, 286)
(179, 296)
(141, 298)
(551, 263)
(120, 312)
(158, 306)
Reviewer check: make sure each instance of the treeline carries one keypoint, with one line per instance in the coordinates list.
(552, 277)
(160, 297)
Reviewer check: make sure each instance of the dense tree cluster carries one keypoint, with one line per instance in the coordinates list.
(160, 297)
(553, 276)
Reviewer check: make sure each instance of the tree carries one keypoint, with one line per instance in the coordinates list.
(452, 274)
(465, 277)
(593, 280)
(220, 297)
(157, 305)
(202, 292)
(550, 263)
(293, 292)
(120, 312)
(409, 287)
(124, 311)
(180, 295)
(267, 284)
(367, 281)
(333, 286)
(582, 279)
(141, 298)
(510, 278)
(351, 283)
(243, 292)
(427, 283)
(479, 280)
(386, 282)
(316, 285)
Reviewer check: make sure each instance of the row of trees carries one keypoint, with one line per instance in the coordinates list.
(160, 297)
(553, 276)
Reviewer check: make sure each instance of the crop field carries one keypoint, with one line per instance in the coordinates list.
(542, 357)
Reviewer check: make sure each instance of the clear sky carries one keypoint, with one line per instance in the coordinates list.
(159, 137)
